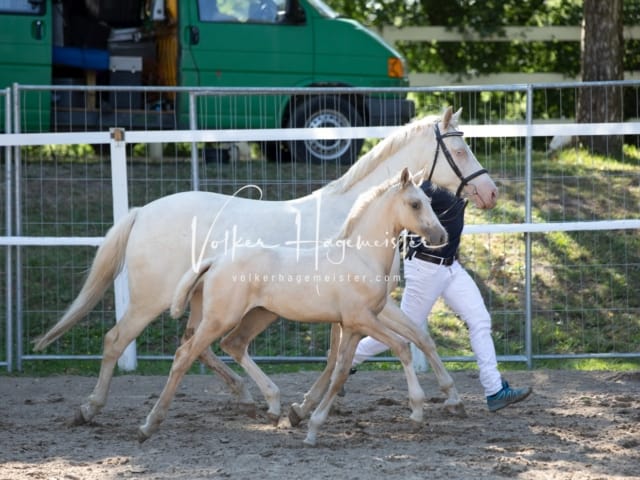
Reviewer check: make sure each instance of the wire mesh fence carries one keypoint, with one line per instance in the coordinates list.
(559, 291)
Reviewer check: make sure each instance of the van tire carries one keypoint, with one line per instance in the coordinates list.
(319, 112)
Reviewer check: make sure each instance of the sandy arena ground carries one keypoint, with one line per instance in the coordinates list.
(576, 425)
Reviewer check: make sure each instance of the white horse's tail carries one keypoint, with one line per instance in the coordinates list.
(186, 286)
(106, 265)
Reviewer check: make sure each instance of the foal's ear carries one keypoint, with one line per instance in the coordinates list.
(405, 177)
(446, 118)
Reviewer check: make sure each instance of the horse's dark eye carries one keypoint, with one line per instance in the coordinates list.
(415, 205)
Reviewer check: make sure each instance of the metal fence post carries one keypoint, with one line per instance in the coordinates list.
(528, 172)
(8, 176)
(128, 360)
(193, 126)
(17, 172)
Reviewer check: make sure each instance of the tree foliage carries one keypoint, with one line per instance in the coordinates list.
(487, 17)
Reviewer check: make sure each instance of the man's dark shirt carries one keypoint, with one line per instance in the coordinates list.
(450, 212)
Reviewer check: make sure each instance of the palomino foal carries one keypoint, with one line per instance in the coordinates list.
(269, 278)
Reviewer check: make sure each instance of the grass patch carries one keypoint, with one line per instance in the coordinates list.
(91, 368)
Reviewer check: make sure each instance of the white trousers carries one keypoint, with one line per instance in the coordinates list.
(424, 283)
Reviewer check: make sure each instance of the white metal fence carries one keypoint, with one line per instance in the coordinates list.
(64, 189)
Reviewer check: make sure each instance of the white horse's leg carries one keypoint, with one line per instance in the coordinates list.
(395, 319)
(236, 343)
(269, 389)
(231, 378)
(115, 341)
(347, 348)
(185, 355)
(297, 412)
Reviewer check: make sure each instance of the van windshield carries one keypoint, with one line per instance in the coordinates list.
(324, 9)
(22, 6)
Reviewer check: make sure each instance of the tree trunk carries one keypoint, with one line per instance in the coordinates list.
(602, 50)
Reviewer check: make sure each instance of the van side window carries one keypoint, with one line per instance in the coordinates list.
(266, 11)
(22, 6)
(209, 11)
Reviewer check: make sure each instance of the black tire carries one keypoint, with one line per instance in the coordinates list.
(276, 151)
(325, 112)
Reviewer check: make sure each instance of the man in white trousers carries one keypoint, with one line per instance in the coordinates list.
(431, 273)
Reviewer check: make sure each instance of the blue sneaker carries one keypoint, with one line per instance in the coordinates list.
(506, 397)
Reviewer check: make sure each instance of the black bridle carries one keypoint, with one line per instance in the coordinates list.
(464, 181)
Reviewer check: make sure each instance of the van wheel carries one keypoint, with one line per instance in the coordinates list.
(319, 112)
(276, 151)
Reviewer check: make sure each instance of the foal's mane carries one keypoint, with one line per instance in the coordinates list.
(363, 202)
(378, 154)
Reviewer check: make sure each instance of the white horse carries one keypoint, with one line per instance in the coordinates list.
(157, 243)
(342, 281)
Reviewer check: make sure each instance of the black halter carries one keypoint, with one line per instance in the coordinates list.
(464, 181)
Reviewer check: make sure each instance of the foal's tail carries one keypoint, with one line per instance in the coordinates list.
(186, 286)
(106, 265)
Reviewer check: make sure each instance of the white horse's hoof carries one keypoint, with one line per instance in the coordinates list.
(275, 419)
(83, 415)
(78, 418)
(142, 435)
(274, 411)
(310, 441)
(417, 416)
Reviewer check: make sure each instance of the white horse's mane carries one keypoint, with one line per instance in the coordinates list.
(378, 154)
(362, 202)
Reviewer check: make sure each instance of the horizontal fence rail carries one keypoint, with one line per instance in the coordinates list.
(520, 34)
(64, 202)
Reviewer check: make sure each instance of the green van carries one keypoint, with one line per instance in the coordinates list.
(201, 43)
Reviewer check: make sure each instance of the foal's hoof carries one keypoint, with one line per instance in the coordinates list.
(295, 417)
(457, 410)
